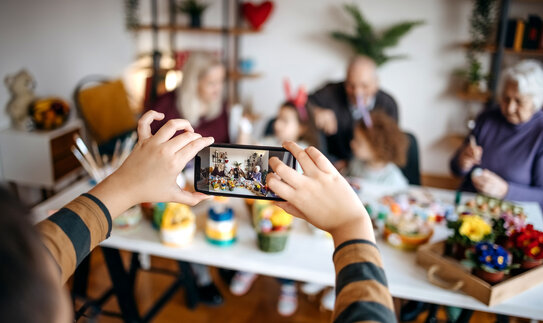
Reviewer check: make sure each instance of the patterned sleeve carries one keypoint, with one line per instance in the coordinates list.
(71, 233)
(362, 293)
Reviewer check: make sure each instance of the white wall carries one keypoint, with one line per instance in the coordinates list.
(60, 41)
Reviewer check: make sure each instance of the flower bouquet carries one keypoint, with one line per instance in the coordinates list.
(468, 230)
(489, 261)
(526, 244)
(272, 225)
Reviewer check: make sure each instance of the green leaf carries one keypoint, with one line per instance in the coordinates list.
(365, 41)
(392, 35)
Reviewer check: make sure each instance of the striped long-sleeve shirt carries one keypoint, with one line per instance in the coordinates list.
(361, 287)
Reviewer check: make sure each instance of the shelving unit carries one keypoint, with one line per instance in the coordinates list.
(498, 51)
(231, 31)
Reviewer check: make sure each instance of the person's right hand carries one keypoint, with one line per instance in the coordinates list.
(325, 120)
(470, 155)
(320, 195)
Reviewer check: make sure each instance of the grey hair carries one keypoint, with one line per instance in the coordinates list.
(189, 103)
(528, 75)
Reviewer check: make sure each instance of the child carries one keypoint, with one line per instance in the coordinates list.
(292, 124)
(379, 147)
(32, 279)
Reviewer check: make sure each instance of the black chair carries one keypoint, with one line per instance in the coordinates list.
(411, 170)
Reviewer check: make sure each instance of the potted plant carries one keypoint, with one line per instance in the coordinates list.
(366, 41)
(489, 261)
(272, 225)
(526, 245)
(194, 9)
(468, 230)
(482, 22)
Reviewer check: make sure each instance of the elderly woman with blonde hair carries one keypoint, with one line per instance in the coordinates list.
(199, 98)
(503, 156)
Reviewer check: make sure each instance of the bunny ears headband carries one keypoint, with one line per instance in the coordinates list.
(299, 100)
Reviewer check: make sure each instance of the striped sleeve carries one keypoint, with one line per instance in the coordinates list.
(71, 233)
(362, 293)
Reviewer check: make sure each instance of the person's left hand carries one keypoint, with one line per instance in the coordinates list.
(149, 173)
(490, 184)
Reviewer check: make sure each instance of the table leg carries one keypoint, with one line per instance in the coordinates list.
(189, 281)
(432, 313)
(122, 285)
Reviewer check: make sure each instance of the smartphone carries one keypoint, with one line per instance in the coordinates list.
(238, 170)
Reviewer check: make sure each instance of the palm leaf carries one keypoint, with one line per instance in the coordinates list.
(392, 35)
(364, 41)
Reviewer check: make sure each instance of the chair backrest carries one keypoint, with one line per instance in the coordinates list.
(104, 107)
(411, 170)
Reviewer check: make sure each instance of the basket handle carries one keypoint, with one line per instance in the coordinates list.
(434, 279)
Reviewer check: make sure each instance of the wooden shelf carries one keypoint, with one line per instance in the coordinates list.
(474, 97)
(204, 30)
(510, 51)
(235, 75)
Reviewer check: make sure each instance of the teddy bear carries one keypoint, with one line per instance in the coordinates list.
(21, 87)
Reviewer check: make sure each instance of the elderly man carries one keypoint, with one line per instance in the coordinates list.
(337, 106)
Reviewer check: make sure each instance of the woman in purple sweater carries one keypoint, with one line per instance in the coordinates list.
(503, 156)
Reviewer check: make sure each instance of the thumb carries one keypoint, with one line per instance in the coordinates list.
(191, 199)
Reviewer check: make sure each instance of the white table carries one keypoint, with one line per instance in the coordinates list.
(308, 257)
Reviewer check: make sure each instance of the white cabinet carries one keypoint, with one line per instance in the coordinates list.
(38, 158)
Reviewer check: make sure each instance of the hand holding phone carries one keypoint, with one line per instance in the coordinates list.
(320, 195)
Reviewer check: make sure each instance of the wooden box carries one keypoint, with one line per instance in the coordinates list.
(447, 272)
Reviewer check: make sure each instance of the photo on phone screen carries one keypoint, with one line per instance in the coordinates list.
(236, 170)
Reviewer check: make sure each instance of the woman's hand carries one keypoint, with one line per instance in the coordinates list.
(149, 173)
(320, 195)
(490, 184)
(470, 156)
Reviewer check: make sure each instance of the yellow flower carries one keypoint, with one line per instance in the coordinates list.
(280, 218)
(474, 227)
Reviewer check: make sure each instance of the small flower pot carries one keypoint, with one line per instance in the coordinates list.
(456, 250)
(491, 278)
(273, 241)
(527, 264)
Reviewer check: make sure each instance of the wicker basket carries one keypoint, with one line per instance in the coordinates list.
(272, 241)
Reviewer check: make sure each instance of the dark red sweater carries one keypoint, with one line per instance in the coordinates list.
(167, 104)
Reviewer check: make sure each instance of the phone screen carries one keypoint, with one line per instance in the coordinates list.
(237, 170)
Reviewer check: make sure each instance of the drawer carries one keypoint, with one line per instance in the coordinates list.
(64, 166)
(60, 146)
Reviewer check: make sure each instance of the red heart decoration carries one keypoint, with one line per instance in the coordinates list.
(256, 15)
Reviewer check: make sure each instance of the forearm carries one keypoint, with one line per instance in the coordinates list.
(115, 194)
(519, 192)
(360, 228)
(74, 231)
(361, 285)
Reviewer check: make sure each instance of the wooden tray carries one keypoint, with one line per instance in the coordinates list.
(448, 273)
